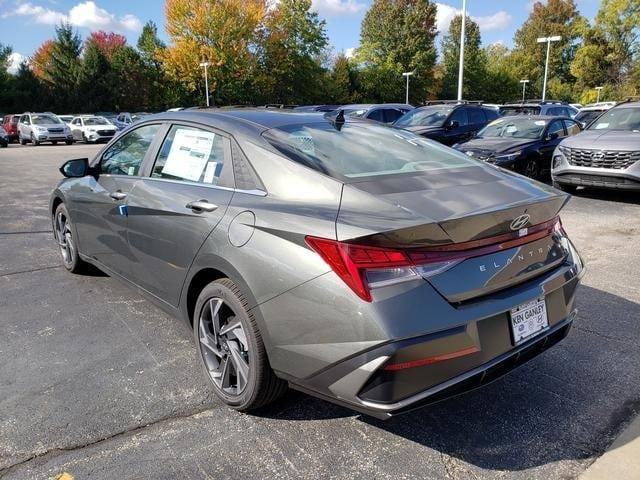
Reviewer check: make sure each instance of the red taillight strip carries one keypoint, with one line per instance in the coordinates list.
(430, 360)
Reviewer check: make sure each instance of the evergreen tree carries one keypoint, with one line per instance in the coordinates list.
(62, 72)
(95, 87)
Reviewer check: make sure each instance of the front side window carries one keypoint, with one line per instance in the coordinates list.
(391, 115)
(460, 116)
(125, 156)
(357, 150)
(376, 115)
(95, 121)
(572, 127)
(626, 119)
(195, 155)
(556, 128)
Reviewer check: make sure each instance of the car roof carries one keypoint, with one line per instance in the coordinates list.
(546, 118)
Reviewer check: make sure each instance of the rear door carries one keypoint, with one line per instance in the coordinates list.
(460, 132)
(185, 193)
(477, 120)
(101, 222)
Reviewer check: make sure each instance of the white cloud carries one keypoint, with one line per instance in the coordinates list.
(84, 14)
(14, 61)
(329, 8)
(498, 21)
(350, 52)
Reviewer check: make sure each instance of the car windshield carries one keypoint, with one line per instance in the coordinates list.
(426, 116)
(627, 119)
(520, 110)
(95, 121)
(514, 128)
(44, 120)
(357, 150)
(588, 116)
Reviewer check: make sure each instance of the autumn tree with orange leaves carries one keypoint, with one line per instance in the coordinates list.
(40, 61)
(221, 32)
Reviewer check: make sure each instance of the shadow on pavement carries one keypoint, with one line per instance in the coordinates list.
(609, 195)
(568, 403)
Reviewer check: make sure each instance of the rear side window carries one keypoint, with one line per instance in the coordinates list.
(125, 156)
(195, 155)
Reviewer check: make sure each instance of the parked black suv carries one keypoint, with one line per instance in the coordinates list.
(447, 123)
(554, 108)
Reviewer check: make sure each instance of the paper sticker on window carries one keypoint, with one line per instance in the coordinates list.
(131, 171)
(212, 171)
(540, 123)
(600, 126)
(189, 153)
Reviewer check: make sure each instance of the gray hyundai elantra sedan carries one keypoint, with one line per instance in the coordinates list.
(358, 263)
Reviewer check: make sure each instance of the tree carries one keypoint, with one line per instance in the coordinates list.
(162, 92)
(500, 84)
(343, 83)
(474, 61)
(291, 42)
(398, 36)
(41, 59)
(149, 44)
(5, 54)
(128, 80)
(222, 32)
(556, 17)
(94, 83)
(61, 74)
(106, 42)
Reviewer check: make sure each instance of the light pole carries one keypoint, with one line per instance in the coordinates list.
(206, 79)
(548, 41)
(598, 90)
(407, 74)
(524, 87)
(462, 39)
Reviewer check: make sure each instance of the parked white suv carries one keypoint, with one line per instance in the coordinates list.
(91, 128)
(43, 127)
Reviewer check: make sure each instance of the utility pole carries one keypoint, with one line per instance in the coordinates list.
(598, 89)
(462, 41)
(407, 74)
(206, 79)
(548, 41)
(524, 87)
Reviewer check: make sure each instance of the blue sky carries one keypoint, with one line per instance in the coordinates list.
(26, 24)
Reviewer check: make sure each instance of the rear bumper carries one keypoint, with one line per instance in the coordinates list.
(463, 383)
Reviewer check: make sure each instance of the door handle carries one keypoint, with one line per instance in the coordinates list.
(118, 195)
(201, 206)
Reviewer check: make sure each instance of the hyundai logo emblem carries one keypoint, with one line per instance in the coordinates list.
(520, 221)
(597, 155)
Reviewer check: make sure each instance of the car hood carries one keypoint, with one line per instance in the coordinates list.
(494, 144)
(52, 125)
(604, 140)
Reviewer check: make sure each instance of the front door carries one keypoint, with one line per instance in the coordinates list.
(102, 228)
(174, 208)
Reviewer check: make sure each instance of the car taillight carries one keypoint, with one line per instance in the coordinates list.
(363, 267)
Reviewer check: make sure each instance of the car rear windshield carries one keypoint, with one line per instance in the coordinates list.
(427, 116)
(358, 150)
(626, 119)
(514, 128)
(520, 110)
(44, 120)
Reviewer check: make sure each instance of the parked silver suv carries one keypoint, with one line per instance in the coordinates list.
(606, 154)
(43, 127)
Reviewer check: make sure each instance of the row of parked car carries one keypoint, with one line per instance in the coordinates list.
(36, 128)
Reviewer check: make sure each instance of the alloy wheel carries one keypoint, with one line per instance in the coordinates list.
(64, 238)
(531, 170)
(224, 347)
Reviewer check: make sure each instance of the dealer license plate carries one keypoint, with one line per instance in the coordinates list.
(528, 320)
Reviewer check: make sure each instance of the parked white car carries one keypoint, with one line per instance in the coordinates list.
(43, 127)
(92, 129)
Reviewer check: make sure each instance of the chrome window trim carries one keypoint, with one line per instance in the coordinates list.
(256, 192)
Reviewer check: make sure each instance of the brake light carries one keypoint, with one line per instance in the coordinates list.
(364, 267)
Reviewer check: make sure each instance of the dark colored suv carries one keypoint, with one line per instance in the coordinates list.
(447, 123)
(554, 108)
(10, 125)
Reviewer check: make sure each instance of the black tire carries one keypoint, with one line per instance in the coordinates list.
(69, 142)
(68, 246)
(34, 142)
(4, 145)
(262, 386)
(54, 142)
(84, 138)
(564, 187)
(22, 141)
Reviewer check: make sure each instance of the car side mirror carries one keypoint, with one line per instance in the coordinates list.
(75, 168)
(552, 136)
(452, 124)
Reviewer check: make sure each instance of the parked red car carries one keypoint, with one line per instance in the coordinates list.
(10, 125)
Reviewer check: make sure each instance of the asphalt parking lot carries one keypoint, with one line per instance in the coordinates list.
(97, 382)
